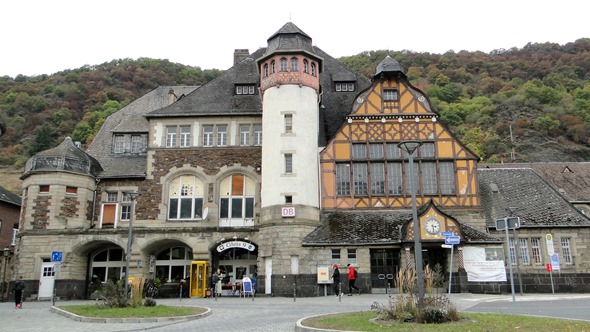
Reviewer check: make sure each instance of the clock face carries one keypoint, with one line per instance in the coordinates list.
(432, 226)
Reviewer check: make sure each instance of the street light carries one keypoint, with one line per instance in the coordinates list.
(410, 147)
(6, 254)
(132, 196)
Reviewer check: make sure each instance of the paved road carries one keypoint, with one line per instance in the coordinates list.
(276, 313)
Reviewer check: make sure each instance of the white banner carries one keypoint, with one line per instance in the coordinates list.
(484, 264)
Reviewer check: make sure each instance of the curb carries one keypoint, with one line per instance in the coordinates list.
(128, 320)
(299, 327)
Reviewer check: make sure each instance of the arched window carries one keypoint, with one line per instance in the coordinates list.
(265, 70)
(173, 263)
(305, 66)
(108, 264)
(272, 67)
(294, 64)
(236, 197)
(313, 69)
(283, 64)
(185, 198)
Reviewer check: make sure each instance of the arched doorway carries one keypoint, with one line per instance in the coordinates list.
(237, 258)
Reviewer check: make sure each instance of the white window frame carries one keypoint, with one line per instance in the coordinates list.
(257, 134)
(184, 189)
(119, 144)
(185, 136)
(390, 95)
(244, 134)
(537, 253)
(221, 135)
(171, 134)
(566, 251)
(288, 123)
(524, 251)
(14, 235)
(288, 163)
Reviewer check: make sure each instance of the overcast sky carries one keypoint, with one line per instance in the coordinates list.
(47, 36)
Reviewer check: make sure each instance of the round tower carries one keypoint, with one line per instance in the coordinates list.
(290, 89)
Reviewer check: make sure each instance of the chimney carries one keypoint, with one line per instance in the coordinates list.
(240, 54)
(171, 97)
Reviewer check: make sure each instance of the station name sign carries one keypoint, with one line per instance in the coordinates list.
(236, 244)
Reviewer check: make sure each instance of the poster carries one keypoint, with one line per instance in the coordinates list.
(484, 264)
(324, 275)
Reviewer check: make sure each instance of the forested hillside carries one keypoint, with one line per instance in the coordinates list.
(530, 104)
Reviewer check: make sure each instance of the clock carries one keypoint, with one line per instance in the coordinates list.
(432, 226)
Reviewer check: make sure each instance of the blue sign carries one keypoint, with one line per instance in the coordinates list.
(56, 256)
(452, 240)
(447, 233)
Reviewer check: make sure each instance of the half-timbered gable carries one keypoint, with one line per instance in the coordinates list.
(362, 166)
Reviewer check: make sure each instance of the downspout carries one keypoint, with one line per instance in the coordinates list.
(97, 180)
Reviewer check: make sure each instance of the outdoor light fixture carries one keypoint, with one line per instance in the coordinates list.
(132, 196)
(410, 147)
(6, 254)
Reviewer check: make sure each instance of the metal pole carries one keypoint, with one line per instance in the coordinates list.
(509, 259)
(451, 268)
(132, 196)
(417, 243)
(517, 247)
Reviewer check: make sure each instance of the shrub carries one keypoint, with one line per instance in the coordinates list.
(149, 302)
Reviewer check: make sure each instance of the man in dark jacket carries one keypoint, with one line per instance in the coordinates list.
(19, 286)
(336, 280)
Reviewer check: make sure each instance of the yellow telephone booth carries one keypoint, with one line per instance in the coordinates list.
(200, 270)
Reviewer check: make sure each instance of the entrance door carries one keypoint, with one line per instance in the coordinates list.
(46, 280)
(268, 275)
(384, 267)
(435, 259)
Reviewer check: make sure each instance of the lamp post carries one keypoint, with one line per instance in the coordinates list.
(410, 147)
(6, 253)
(132, 196)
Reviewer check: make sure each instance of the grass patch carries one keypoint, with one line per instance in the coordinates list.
(132, 312)
(360, 321)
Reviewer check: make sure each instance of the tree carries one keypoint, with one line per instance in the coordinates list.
(43, 140)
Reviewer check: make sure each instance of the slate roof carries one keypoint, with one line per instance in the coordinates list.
(66, 157)
(537, 203)
(130, 119)
(570, 179)
(217, 97)
(375, 228)
(9, 197)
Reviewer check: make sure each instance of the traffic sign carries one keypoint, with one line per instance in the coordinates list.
(512, 222)
(550, 248)
(447, 246)
(56, 256)
(452, 240)
(447, 233)
(555, 262)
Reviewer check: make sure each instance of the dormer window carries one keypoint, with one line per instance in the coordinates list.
(129, 143)
(390, 95)
(245, 89)
(344, 87)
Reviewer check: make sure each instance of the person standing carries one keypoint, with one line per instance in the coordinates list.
(336, 279)
(19, 286)
(352, 275)
(220, 275)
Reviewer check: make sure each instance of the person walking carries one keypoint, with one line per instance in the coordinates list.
(352, 275)
(19, 286)
(336, 280)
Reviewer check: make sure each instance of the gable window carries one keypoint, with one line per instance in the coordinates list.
(390, 95)
(342, 179)
(359, 151)
(429, 178)
(294, 64)
(360, 179)
(426, 150)
(185, 197)
(305, 66)
(447, 177)
(283, 62)
(288, 123)
(237, 197)
(344, 87)
(288, 163)
(394, 178)
(377, 178)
